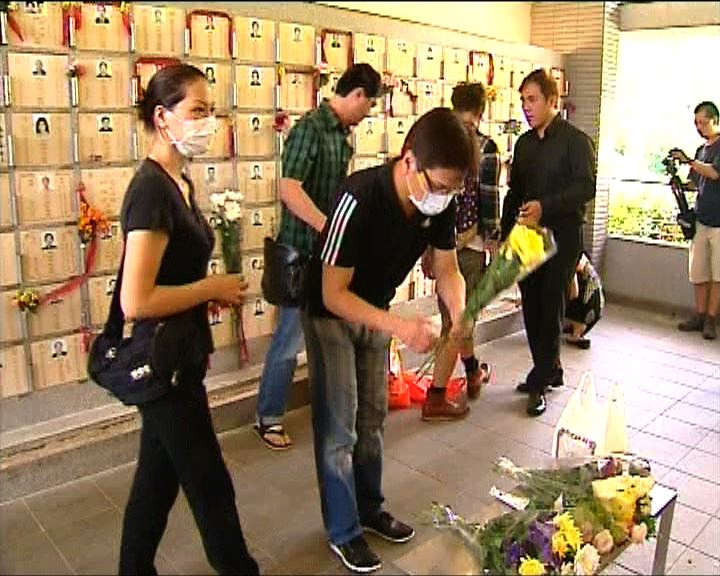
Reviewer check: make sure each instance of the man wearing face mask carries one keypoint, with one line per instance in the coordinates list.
(315, 161)
(383, 220)
(551, 179)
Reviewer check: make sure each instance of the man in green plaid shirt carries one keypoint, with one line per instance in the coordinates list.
(315, 162)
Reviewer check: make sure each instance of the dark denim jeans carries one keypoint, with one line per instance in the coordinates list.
(280, 364)
(348, 380)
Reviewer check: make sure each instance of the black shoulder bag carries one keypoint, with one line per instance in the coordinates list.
(283, 271)
(145, 366)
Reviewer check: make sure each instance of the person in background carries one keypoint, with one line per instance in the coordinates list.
(704, 263)
(478, 227)
(168, 244)
(383, 220)
(551, 179)
(586, 302)
(315, 161)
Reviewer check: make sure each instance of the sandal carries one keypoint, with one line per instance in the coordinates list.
(487, 373)
(274, 436)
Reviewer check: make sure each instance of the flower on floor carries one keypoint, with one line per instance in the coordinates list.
(601, 495)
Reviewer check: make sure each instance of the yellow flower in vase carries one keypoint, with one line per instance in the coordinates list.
(531, 567)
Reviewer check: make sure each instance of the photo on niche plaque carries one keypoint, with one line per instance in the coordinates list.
(256, 86)
(41, 25)
(371, 49)
(44, 197)
(337, 49)
(104, 84)
(103, 27)
(297, 44)
(38, 80)
(49, 254)
(209, 35)
(429, 61)
(104, 137)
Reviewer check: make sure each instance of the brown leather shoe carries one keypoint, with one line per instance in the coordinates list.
(438, 407)
(478, 379)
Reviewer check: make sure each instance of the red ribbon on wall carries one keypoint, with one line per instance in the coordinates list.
(211, 14)
(14, 25)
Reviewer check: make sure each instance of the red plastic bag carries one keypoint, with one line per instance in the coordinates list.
(398, 392)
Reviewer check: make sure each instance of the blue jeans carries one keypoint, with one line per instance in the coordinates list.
(280, 364)
(347, 368)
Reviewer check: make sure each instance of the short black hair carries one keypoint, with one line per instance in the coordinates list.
(166, 88)
(709, 109)
(468, 98)
(547, 84)
(360, 76)
(440, 140)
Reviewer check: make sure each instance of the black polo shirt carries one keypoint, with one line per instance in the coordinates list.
(367, 230)
(153, 201)
(558, 170)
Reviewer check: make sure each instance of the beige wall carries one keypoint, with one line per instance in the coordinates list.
(508, 21)
(637, 16)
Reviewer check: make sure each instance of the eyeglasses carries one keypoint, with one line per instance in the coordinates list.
(441, 189)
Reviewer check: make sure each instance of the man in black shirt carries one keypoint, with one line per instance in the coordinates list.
(383, 220)
(551, 179)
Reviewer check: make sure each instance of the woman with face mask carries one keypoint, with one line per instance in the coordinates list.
(168, 243)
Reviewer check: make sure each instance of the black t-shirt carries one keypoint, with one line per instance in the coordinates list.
(367, 230)
(153, 201)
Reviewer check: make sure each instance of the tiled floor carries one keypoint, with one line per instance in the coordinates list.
(671, 383)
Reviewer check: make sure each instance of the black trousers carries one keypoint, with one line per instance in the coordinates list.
(543, 304)
(178, 447)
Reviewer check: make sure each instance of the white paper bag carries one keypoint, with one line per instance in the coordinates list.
(615, 437)
(580, 429)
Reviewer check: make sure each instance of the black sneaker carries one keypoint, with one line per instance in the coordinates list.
(357, 556)
(391, 529)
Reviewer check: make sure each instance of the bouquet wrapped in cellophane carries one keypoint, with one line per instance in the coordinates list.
(570, 517)
(523, 251)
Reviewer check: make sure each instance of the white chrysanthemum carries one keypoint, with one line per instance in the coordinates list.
(587, 560)
(218, 199)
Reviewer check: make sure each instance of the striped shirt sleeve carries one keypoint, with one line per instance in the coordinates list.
(341, 242)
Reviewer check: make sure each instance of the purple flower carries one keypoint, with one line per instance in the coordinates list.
(513, 554)
(540, 536)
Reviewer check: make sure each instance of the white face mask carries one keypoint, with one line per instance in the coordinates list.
(196, 136)
(432, 204)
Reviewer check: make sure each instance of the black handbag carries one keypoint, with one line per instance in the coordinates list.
(145, 366)
(283, 273)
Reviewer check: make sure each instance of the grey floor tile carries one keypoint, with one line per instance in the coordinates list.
(68, 503)
(702, 464)
(688, 523)
(662, 450)
(32, 554)
(639, 558)
(617, 570)
(676, 430)
(693, 491)
(16, 522)
(708, 541)
(116, 484)
(665, 388)
(711, 443)
(694, 415)
(705, 399)
(694, 562)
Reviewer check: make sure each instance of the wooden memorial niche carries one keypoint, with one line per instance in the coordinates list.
(257, 181)
(58, 360)
(403, 98)
(455, 64)
(103, 27)
(100, 290)
(219, 77)
(336, 48)
(13, 376)
(397, 129)
(401, 57)
(104, 188)
(6, 216)
(3, 143)
(221, 326)
(10, 316)
(429, 61)
(49, 254)
(42, 139)
(297, 91)
(481, 67)
(159, 29)
(61, 314)
(45, 197)
(109, 249)
(104, 82)
(256, 136)
(255, 86)
(370, 136)
(105, 137)
(210, 34)
(253, 266)
(297, 44)
(258, 318)
(36, 24)
(9, 273)
(257, 224)
(328, 89)
(370, 48)
(38, 80)
(255, 39)
(503, 72)
(429, 96)
(208, 178)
